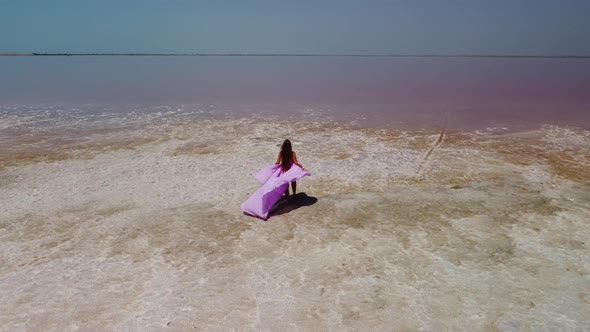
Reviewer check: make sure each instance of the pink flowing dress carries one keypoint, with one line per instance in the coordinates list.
(273, 182)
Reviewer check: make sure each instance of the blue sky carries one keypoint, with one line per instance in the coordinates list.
(511, 27)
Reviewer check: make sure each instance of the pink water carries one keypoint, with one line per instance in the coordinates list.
(465, 93)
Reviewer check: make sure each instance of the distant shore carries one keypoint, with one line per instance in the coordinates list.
(309, 55)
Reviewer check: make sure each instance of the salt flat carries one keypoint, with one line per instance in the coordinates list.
(138, 227)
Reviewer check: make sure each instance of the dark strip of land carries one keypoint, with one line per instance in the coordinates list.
(308, 55)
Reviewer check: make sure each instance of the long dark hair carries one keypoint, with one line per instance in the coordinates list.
(286, 155)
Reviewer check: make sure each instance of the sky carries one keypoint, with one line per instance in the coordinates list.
(493, 27)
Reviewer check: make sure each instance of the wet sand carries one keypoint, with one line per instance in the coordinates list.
(138, 227)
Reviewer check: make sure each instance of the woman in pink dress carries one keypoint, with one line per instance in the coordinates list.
(274, 180)
(286, 158)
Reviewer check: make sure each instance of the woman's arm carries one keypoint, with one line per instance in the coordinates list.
(278, 159)
(296, 162)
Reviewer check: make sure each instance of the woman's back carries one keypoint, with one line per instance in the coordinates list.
(287, 157)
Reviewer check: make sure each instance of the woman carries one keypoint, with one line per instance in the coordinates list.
(286, 158)
(274, 180)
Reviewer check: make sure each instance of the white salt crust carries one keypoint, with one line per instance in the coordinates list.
(152, 237)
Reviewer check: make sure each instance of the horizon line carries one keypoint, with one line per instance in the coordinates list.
(549, 56)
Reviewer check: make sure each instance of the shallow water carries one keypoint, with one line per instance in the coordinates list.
(131, 221)
(401, 93)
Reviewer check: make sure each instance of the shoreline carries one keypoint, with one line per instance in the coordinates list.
(101, 133)
(523, 56)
